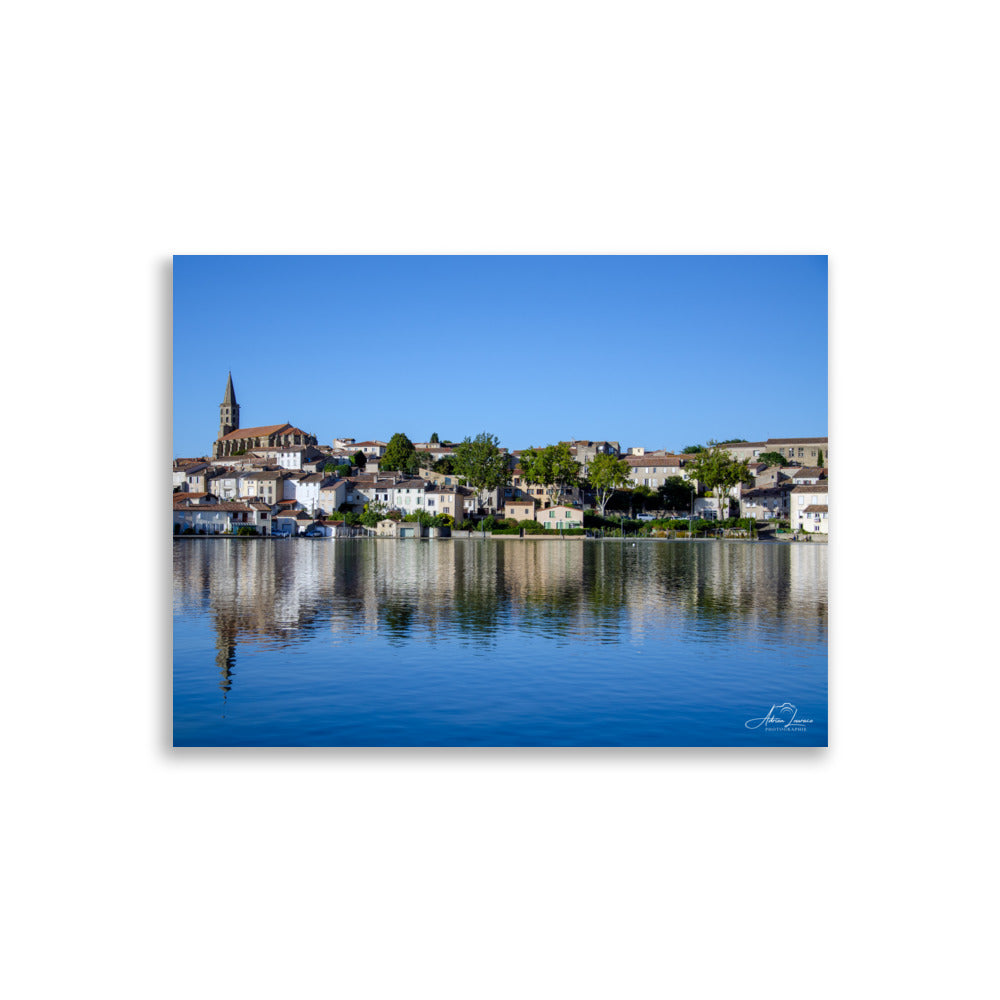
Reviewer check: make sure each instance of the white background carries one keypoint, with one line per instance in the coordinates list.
(135, 131)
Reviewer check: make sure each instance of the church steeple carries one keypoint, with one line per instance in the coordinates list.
(229, 410)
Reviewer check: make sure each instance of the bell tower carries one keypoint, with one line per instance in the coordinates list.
(229, 410)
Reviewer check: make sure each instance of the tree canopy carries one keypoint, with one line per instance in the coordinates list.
(676, 494)
(434, 438)
(718, 471)
(693, 449)
(772, 458)
(606, 475)
(552, 467)
(482, 464)
(400, 455)
(359, 459)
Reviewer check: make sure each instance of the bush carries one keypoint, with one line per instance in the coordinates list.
(466, 525)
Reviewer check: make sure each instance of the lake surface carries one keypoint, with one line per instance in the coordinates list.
(476, 642)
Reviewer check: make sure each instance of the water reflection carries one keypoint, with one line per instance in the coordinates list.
(281, 594)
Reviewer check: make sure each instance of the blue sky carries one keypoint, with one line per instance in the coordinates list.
(658, 351)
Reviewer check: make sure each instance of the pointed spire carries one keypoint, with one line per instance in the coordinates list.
(230, 397)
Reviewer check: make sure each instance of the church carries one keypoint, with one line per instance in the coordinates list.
(236, 440)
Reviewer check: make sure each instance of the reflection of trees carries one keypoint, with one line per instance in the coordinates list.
(479, 588)
(397, 619)
(605, 587)
(281, 593)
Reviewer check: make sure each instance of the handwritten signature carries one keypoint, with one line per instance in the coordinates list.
(779, 717)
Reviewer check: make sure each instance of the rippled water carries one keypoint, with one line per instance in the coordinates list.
(364, 642)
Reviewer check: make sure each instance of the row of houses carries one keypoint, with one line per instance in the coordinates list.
(284, 483)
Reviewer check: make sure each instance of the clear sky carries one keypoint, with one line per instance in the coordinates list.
(658, 351)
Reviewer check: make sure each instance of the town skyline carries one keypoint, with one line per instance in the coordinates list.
(702, 343)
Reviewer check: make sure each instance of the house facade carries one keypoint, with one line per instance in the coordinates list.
(810, 508)
(654, 470)
(767, 503)
(800, 451)
(520, 510)
(560, 516)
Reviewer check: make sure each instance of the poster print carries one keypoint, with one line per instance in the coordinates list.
(500, 501)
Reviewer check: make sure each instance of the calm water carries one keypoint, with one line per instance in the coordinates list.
(362, 642)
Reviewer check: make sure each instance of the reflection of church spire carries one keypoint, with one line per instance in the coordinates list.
(225, 658)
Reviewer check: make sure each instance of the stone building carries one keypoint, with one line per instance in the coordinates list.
(234, 440)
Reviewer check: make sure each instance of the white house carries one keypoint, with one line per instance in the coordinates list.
(810, 508)
(220, 518)
(560, 516)
(307, 490)
(407, 495)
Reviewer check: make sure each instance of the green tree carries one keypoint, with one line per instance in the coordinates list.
(400, 455)
(434, 438)
(482, 464)
(641, 495)
(819, 458)
(343, 470)
(373, 513)
(552, 467)
(606, 475)
(718, 471)
(676, 494)
(772, 458)
(445, 465)
(360, 459)
(693, 449)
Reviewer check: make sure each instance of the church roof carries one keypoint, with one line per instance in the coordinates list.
(230, 397)
(254, 432)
